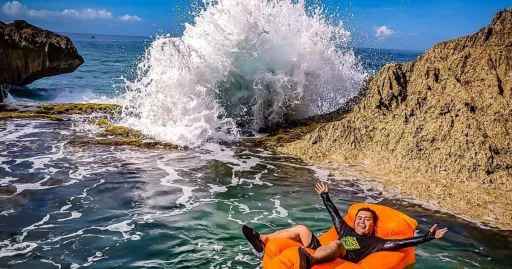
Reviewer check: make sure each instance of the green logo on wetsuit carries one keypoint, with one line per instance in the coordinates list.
(350, 243)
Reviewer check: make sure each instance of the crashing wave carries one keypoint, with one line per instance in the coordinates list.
(241, 65)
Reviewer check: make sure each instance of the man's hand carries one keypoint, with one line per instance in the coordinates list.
(438, 233)
(321, 188)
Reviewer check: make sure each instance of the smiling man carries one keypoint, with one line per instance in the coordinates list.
(353, 244)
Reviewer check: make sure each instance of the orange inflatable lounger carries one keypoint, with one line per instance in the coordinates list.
(392, 224)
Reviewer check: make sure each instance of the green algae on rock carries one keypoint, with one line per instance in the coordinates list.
(53, 112)
(112, 130)
(59, 109)
(78, 108)
(28, 115)
(147, 144)
(117, 135)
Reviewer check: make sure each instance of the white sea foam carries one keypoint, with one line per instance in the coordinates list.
(8, 249)
(15, 133)
(254, 61)
(217, 188)
(32, 186)
(20, 106)
(49, 261)
(82, 96)
(230, 216)
(36, 225)
(4, 166)
(96, 257)
(7, 212)
(153, 263)
(64, 95)
(55, 239)
(278, 210)
(74, 215)
(64, 208)
(256, 180)
(172, 175)
(123, 228)
(5, 181)
(10, 99)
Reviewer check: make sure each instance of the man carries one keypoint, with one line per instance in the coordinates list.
(353, 244)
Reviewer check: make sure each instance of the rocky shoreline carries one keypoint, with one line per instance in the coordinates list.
(437, 130)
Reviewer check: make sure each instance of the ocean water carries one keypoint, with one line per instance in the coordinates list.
(64, 206)
(108, 59)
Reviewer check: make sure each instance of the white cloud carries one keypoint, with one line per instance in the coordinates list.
(16, 9)
(383, 31)
(91, 14)
(130, 18)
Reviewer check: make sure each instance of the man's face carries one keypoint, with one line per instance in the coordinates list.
(364, 223)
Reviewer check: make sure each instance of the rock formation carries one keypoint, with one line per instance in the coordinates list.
(438, 129)
(28, 53)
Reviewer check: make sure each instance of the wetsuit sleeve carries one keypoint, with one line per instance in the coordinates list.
(339, 224)
(393, 245)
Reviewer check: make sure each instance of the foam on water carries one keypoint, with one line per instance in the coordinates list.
(96, 257)
(55, 95)
(241, 64)
(49, 261)
(166, 188)
(74, 215)
(9, 249)
(124, 228)
(278, 210)
(169, 181)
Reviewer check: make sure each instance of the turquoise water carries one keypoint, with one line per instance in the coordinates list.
(102, 207)
(108, 59)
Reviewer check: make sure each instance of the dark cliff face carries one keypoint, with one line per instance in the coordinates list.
(28, 53)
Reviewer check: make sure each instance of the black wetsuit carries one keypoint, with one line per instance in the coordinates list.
(361, 246)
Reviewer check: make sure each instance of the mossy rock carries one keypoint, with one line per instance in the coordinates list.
(76, 108)
(28, 115)
(54, 111)
(125, 142)
(112, 130)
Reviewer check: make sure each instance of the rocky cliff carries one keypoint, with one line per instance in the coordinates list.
(438, 129)
(28, 53)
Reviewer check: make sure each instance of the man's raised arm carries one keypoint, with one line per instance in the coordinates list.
(339, 224)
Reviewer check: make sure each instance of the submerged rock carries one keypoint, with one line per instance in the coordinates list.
(438, 129)
(28, 53)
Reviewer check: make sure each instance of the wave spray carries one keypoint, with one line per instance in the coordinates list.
(241, 65)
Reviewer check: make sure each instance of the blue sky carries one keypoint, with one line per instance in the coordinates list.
(396, 24)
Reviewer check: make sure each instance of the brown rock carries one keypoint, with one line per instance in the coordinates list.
(28, 53)
(444, 120)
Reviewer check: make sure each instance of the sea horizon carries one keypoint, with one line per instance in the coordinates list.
(152, 37)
